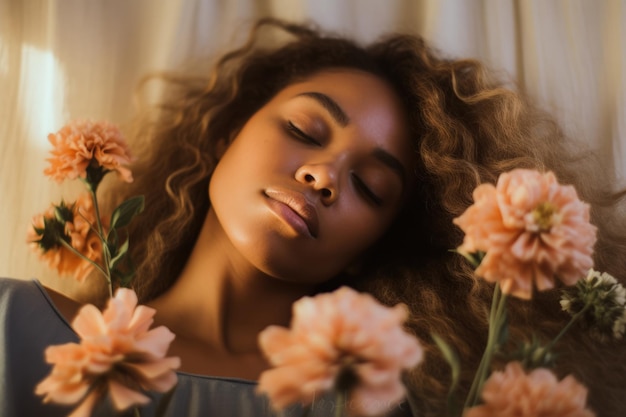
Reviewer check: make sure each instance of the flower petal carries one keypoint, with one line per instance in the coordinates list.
(532, 229)
(330, 332)
(86, 406)
(124, 397)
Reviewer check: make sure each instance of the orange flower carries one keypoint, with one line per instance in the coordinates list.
(117, 353)
(73, 225)
(531, 228)
(513, 393)
(80, 146)
(335, 335)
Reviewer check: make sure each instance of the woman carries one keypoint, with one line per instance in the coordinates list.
(295, 169)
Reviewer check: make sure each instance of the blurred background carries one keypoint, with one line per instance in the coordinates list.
(76, 59)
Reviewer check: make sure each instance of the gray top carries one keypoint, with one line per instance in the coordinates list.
(30, 322)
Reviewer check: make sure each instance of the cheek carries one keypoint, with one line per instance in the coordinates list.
(224, 179)
(260, 151)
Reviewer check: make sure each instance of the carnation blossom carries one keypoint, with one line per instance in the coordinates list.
(80, 145)
(117, 354)
(604, 302)
(73, 224)
(531, 228)
(514, 393)
(335, 334)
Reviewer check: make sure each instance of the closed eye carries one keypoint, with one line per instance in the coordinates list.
(365, 190)
(300, 135)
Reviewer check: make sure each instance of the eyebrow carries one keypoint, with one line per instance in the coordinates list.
(391, 162)
(330, 105)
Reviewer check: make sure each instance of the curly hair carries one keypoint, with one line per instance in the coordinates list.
(467, 128)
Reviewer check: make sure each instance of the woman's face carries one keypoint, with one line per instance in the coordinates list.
(315, 176)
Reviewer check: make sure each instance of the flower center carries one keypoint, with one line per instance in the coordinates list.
(545, 215)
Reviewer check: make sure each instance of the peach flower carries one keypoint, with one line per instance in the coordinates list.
(513, 393)
(333, 335)
(117, 354)
(80, 144)
(531, 228)
(75, 230)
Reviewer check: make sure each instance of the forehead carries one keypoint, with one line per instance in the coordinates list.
(355, 91)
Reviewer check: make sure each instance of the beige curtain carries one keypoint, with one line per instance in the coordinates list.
(80, 59)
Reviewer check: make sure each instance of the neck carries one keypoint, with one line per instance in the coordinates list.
(222, 301)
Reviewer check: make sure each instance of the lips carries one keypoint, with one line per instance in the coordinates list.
(292, 202)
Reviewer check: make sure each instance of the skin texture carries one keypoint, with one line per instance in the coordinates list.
(293, 148)
(255, 254)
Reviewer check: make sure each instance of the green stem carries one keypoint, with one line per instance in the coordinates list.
(340, 406)
(495, 324)
(164, 402)
(83, 257)
(106, 256)
(92, 227)
(574, 318)
(136, 412)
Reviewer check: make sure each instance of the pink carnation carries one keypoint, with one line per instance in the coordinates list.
(117, 354)
(531, 228)
(78, 232)
(79, 144)
(513, 393)
(332, 333)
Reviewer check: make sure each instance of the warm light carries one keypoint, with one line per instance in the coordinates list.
(4, 60)
(41, 94)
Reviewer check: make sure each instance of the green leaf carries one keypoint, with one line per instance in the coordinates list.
(452, 358)
(125, 279)
(64, 213)
(124, 271)
(112, 239)
(119, 254)
(52, 234)
(125, 212)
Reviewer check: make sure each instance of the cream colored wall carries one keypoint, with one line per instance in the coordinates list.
(69, 59)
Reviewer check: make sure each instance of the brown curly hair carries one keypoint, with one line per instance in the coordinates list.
(466, 127)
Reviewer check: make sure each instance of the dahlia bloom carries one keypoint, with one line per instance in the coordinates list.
(513, 393)
(531, 228)
(73, 224)
(117, 354)
(81, 145)
(337, 334)
(604, 302)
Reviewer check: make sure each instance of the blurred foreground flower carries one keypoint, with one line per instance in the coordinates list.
(514, 393)
(601, 302)
(88, 150)
(117, 354)
(342, 340)
(70, 224)
(531, 229)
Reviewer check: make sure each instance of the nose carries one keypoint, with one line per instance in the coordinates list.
(322, 178)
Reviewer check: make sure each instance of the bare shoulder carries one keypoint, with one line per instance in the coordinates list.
(66, 306)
